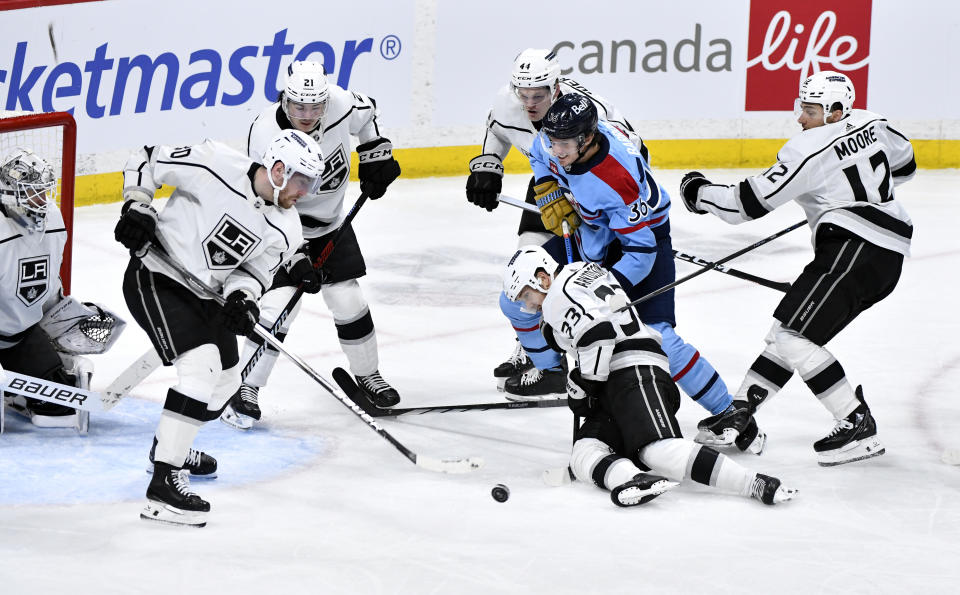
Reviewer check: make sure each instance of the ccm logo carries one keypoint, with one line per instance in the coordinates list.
(376, 155)
(67, 396)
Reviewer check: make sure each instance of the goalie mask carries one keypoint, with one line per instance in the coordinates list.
(302, 161)
(81, 329)
(305, 96)
(827, 89)
(522, 271)
(27, 187)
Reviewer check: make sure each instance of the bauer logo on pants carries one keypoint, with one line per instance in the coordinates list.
(229, 244)
(32, 283)
(789, 41)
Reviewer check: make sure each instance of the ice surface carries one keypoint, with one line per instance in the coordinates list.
(312, 501)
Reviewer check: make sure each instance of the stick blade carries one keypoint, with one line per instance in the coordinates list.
(349, 387)
(452, 466)
(556, 477)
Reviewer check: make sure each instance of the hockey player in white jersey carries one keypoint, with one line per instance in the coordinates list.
(33, 236)
(514, 121)
(229, 221)
(331, 115)
(842, 170)
(621, 386)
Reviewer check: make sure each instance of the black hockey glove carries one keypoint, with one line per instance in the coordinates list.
(378, 168)
(240, 313)
(583, 396)
(547, 331)
(485, 181)
(302, 272)
(689, 187)
(137, 225)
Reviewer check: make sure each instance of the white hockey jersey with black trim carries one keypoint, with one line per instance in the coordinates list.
(842, 173)
(580, 309)
(508, 124)
(29, 272)
(214, 223)
(348, 114)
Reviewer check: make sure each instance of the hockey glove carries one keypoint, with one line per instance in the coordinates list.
(689, 188)
(485, 181)
(378, 168)
(554, 206)
(583, 396)
(547, 331)
(303, 273)
(137, 225)
(240, 313)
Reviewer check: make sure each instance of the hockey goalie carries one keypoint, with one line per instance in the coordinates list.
(43, 334)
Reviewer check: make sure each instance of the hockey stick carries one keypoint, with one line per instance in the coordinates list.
(458, 465)
(784, 287)
(712, 265)
(53, 392)
(138, 371)
(676, 254)
(350, 388)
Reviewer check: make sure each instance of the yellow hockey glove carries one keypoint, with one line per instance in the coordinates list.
(554, 207)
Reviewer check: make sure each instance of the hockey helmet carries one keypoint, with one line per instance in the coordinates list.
(305, 93)
(535, 68)
(522, 271)
(827, 88)
(27, 187)
(300, 155)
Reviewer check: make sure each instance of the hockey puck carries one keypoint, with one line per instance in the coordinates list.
(500, 492)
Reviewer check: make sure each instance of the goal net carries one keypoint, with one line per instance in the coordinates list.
(53, 136)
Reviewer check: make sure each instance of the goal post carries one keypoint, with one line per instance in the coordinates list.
(53, 136)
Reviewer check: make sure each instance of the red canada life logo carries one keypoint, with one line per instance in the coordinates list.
(789, 41)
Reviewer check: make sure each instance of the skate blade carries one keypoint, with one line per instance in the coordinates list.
(708, 438)
(522, 398)
(855, 451)
(236, 420)
(635, 496)
(169, 515)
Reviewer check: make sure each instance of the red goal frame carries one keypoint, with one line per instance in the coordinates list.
(68, 171)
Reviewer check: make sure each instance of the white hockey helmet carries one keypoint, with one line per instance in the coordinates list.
(300, 154)
(28, 186)
(535, 68)
(305, 92)
(522, 271)
(827, 88)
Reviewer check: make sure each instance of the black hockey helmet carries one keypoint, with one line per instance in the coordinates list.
(571, 116)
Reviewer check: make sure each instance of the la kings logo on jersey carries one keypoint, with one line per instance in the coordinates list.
(335, 170)
(228, 244)
(32, 282)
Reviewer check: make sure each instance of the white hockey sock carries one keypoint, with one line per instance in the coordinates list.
(819, 370)
(227, 385)
(593, 461)
(679, 459)
(271, 305)
(355, 329)
(175, 434)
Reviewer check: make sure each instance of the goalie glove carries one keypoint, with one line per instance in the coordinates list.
(583, 396)
(554, 206)
(485, 181)
(137, 225)
(240, 313)
(690, 188)
(378, 169)
(303, 273)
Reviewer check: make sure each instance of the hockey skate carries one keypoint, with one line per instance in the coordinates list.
(377, 390)
(853, 438)
(198, 464)
(735, 426)
(517, 363)
(769, 490)
(536, 384)
(643, 488)
(169, 499)
(242, 409)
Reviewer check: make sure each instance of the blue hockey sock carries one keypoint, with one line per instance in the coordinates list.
(692, 372)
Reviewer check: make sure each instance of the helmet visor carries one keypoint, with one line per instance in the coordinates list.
(304, 183)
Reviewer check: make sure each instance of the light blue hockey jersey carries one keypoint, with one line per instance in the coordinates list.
(616, 197)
